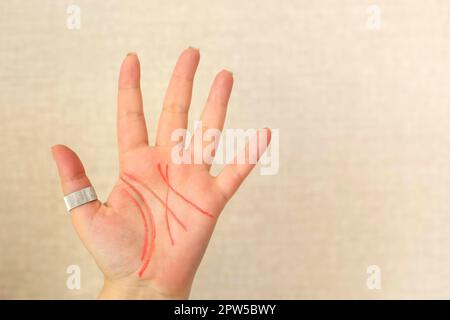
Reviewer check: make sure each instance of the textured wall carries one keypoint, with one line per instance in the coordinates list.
(364, 142)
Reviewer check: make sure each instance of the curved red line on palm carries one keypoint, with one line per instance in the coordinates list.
(167, 204)
(152, 222)
(181, 196)
(129, 176)
(152, 244)
(144, 248)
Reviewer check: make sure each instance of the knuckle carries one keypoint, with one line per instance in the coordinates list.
(175, 107)
(131, 116)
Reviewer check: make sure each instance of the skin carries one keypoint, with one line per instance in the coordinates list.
(133, 223)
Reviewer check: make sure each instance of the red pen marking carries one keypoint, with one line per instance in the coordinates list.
(144, 248)
(129, 176)
(152, 222)
(152, 244)
(150, 250)
(167, 204)
(181, 196)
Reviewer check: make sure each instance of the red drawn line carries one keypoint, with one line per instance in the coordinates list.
(167, 204)
(181, 196)
(152, 222)
(158, 198)
(152, 244)
(144, 248)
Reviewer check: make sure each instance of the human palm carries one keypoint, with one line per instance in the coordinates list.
(148, 238)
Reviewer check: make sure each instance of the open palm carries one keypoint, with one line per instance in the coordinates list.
(148, 238)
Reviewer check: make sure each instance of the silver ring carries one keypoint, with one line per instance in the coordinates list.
(80, 197)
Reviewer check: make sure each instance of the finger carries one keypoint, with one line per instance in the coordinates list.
(73, 178)
(131, 128)
(174, 114)
(213, 116)
(234, 174)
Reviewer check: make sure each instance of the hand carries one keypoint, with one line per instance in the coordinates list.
(150, 235)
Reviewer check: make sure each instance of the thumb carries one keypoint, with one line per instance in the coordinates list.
(73, 178)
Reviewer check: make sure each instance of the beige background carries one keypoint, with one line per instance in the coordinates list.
(364, 120)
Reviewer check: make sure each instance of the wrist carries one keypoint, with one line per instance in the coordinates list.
(138, 290)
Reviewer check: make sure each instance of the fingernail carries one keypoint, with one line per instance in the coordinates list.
(226, 70)
(194, 48)
(52, 150)
(131, 54)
